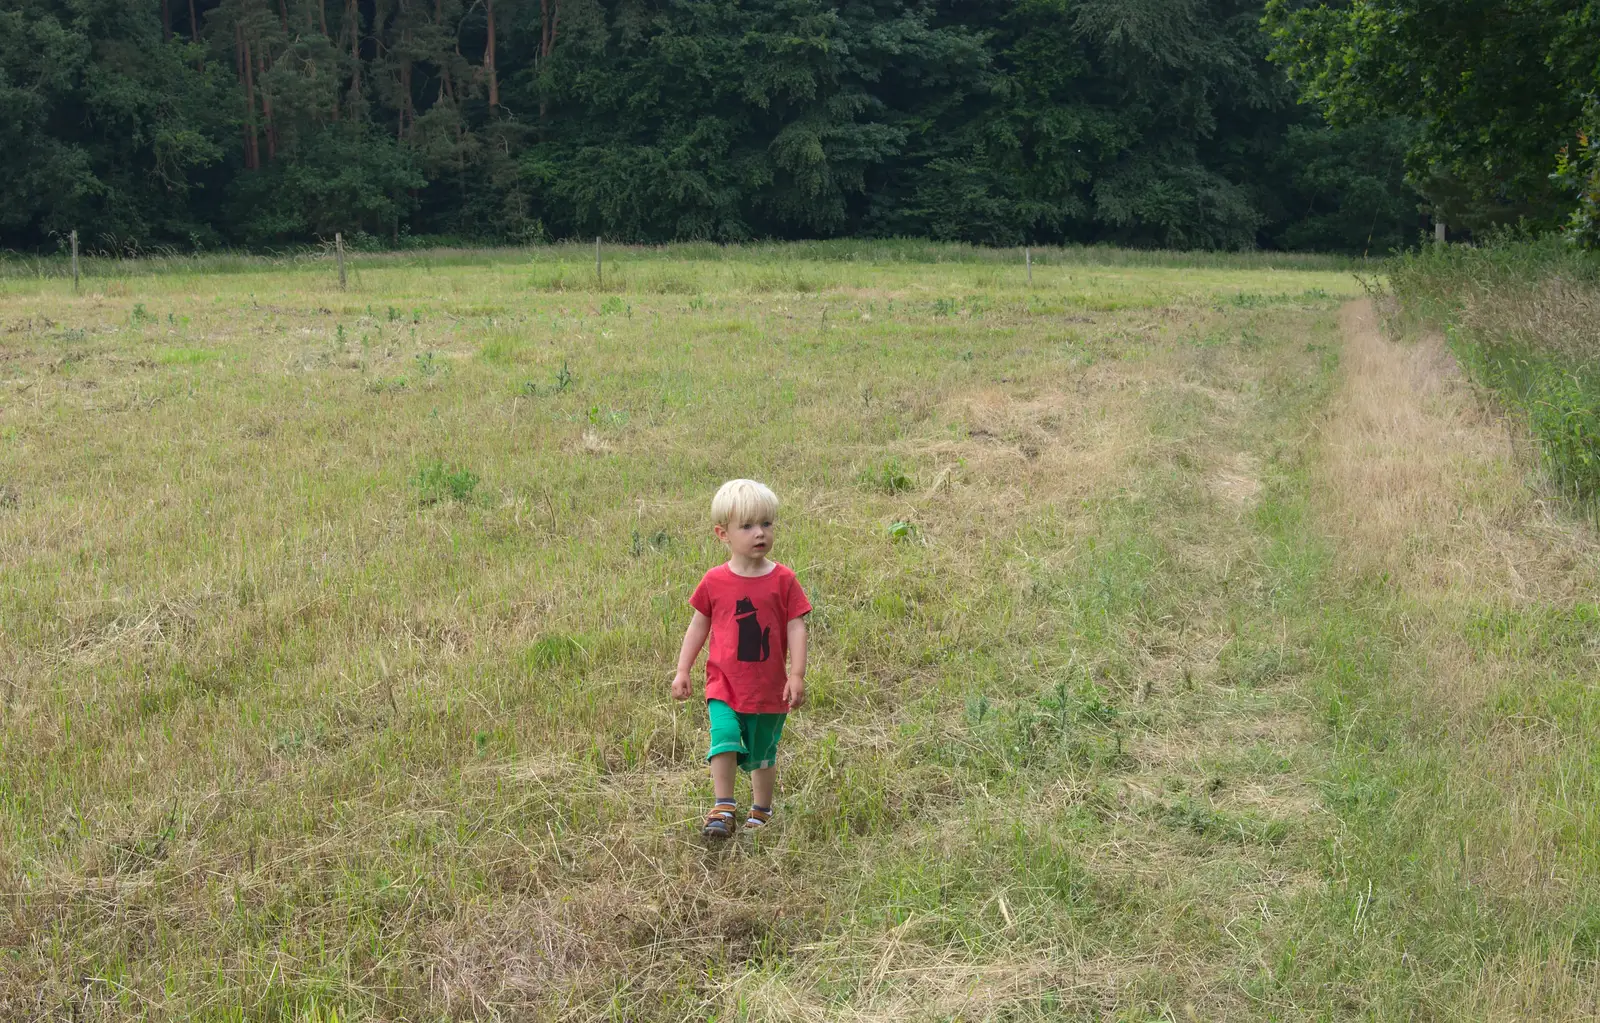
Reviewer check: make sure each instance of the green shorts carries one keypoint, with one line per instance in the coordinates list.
(753, 736)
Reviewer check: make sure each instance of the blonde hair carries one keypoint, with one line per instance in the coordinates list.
(743, 501)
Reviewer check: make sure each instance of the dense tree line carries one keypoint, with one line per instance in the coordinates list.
(1504, 96)
(264, 122)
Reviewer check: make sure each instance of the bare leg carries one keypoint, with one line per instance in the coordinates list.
(762, 781)
(723, 766)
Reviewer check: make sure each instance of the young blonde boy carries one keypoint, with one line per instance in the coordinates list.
(754, 611)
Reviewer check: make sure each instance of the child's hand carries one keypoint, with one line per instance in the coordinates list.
(794, 693)
(680, 686)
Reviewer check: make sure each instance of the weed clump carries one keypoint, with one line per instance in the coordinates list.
(437, 482)
(658, 541)
(888, 476)
(903, 532)
(560, 385)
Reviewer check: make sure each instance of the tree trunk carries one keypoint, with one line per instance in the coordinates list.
(252, 150)
(266, 111)
(447, 76)
(550, 24)
(405, 94)
(550, 17)
(355, 46)
(322, 16)
(443, 65)
(488, 58)
(283, 15)
(194, 24)
(166, 20)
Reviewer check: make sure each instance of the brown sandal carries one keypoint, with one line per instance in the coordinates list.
(720, 822)
(758, 818)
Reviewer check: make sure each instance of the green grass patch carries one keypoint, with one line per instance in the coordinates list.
(437, 482)
(186, 356)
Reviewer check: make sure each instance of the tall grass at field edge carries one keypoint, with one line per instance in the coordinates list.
(1523, 319)
(317, 257)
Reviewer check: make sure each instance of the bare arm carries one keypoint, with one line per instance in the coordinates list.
(693, 639)
(795, 691)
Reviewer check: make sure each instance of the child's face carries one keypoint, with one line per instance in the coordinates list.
(747, 539)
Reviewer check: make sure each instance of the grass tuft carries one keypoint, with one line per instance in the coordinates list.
(889, 476)
(437, 482)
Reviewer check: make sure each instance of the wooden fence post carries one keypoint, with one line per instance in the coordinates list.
(597, 278)
(74, 262)
(1027, 257)
(338, 249)
(1438, 231)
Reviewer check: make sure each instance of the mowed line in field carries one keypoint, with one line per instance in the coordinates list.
(1461, 648)
(1059, 760)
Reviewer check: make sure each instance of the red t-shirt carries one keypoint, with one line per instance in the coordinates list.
(749, 635)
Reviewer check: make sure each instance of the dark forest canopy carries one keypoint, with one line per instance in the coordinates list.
(265, 122)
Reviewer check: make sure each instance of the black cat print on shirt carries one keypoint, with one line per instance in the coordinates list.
(754, 638)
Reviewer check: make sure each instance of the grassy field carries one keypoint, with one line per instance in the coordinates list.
(1183, 648)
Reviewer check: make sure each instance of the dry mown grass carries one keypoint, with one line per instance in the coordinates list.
(1431, 484)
